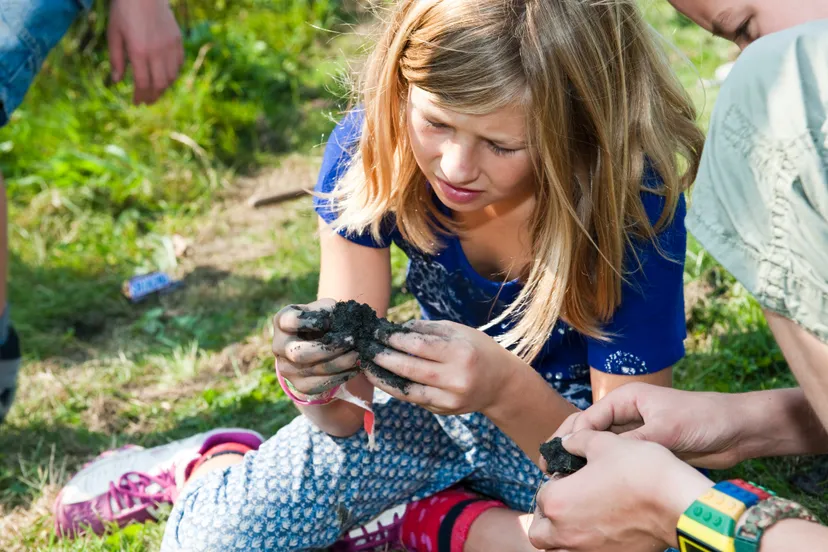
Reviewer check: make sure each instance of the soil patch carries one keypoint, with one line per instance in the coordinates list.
(560, 460)
(353, 325)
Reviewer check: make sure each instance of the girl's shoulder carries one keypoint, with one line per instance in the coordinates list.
(346, 134)
(653, 199)
(339, 150)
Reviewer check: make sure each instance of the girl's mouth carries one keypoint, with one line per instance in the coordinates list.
(455, 194)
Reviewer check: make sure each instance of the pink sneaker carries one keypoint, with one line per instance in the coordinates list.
(128, 484)
(381, 533)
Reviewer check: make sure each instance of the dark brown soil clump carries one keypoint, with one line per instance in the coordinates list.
(353, 325)
(560, 460)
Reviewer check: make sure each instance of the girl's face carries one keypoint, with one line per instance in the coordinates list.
(471, 161)
(743, 21)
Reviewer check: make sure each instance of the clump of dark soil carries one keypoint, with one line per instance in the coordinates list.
(353, 325)
(560, 460)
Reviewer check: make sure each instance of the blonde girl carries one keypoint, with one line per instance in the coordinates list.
(529, 157)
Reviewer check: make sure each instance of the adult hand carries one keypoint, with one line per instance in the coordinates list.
(455, 369)
(310, 366)
(703, 429)
(146, 32)
(628, 498)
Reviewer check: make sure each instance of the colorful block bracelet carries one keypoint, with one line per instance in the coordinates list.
(709, 524)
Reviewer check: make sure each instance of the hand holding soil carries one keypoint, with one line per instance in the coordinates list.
(454, 369)
(445, 367)
(616, 501)
(356, 325)
(311, 365)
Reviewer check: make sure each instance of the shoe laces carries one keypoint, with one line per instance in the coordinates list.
(381, 535)
(141, 488)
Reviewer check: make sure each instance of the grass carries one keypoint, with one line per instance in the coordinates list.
(98, 189)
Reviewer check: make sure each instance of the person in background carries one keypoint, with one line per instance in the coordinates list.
(760, 207)
(141, 33)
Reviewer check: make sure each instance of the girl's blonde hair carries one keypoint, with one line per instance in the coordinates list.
(600, 101)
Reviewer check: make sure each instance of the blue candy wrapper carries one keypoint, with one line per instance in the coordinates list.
(141, 287)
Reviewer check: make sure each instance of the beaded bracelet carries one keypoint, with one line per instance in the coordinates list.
(761, 517)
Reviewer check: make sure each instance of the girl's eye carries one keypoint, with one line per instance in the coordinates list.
(743, 32)
(501, 151)
(434, 124)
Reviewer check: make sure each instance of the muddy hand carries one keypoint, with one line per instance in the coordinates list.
(311, 365)
(455, 369)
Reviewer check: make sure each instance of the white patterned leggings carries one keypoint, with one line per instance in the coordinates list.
(303, 489)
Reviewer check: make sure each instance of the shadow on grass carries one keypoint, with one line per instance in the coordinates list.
(71, 316)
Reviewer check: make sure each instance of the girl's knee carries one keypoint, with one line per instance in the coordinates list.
(260, 502)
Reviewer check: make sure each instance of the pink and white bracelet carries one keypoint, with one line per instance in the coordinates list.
(328, 397)
(304, 399)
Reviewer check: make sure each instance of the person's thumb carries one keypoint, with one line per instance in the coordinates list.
(640, 434)
(587, 442)
(618, 408)
(654, 433)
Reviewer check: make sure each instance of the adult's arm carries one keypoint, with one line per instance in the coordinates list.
(808, 358)
(145, 33)
(713, 430)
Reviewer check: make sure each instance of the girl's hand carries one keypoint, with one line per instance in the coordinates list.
(310, 366)
(629, 497)
(455, 369)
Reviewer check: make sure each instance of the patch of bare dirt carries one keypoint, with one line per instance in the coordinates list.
(227, 237)
(104, 414)
(240, 357)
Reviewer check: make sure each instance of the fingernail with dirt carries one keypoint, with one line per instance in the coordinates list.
(316, 321)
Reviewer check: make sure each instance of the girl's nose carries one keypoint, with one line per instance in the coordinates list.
(458, 164)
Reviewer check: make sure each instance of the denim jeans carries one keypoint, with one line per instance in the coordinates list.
(29, 29)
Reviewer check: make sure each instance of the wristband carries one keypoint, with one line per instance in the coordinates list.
(763, 516)
(709, 524)
(304, 399)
